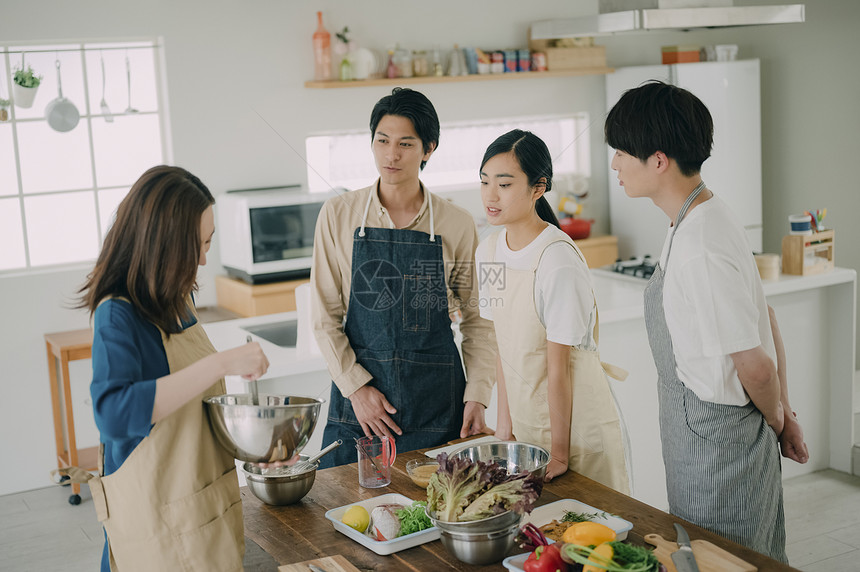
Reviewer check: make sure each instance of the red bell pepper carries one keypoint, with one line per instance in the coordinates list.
(545, 559)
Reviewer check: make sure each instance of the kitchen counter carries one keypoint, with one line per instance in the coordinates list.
(300, 532)
(816, 318)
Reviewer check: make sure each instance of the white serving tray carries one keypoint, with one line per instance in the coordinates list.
(383, 547)
(554, 511)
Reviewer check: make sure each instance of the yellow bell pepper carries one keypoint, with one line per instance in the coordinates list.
(601, 556)
(588, 534)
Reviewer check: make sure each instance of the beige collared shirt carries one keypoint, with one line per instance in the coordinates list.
(331, 277)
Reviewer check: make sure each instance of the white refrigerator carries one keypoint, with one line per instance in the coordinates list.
(731, 91)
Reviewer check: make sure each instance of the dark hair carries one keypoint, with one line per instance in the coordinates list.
(660, 117)
(151, 252)
(414, 106)
(535, 160)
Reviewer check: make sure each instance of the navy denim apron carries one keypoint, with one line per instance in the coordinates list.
(399, 327)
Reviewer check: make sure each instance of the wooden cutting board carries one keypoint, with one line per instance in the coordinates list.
(328, 563)
(709, 557)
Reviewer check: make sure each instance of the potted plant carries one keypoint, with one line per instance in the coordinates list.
(4, 112)
(25, 83)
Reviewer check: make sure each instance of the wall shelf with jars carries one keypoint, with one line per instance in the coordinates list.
(384, 81)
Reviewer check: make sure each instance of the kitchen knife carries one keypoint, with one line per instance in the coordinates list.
(683, 559)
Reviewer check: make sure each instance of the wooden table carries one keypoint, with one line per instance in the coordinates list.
(63, 347)
(301, 532)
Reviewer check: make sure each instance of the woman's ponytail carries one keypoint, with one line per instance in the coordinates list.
(546, 212)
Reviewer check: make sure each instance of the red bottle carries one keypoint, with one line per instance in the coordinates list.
(322, 52)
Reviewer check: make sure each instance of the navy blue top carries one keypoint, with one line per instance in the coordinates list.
(128, 356)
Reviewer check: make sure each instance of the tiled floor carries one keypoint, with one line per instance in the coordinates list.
(39, 530)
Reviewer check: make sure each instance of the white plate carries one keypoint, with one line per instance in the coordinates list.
(554, 511)
(456, 447)
(383, 547)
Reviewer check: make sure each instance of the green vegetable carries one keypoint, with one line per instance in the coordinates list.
(413, 519)
(626, 557)
(463, 490)
(572, 516)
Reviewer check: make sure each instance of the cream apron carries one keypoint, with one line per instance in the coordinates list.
(174, 503)
(596, 448)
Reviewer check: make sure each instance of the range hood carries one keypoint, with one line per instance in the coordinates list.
(620, 16)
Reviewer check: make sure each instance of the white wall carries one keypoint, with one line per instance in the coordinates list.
(229, 63)
(229, 67)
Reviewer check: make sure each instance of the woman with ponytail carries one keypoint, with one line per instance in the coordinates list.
(536, 288)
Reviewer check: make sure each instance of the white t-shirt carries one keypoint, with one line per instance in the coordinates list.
(714, 302)
(563, 293)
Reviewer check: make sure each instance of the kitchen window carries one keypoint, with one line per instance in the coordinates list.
(344, 159)
(59, 190)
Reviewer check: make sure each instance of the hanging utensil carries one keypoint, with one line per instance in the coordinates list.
(252, 384)
(129, 109)
(105, 109)
(62, 115)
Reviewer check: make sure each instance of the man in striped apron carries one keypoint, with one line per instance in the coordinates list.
(724, 409)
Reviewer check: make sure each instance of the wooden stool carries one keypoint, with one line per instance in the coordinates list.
(64, 347)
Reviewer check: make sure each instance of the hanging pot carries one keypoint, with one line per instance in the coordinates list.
(23, 96)
(62, 115)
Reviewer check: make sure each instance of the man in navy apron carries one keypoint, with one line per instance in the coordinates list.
(724, 408)
(392, 262)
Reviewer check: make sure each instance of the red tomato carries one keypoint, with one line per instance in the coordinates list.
(546, 559)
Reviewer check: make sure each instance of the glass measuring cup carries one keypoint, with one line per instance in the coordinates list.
(375, 456)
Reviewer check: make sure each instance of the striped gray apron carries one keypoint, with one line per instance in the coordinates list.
(722, 462)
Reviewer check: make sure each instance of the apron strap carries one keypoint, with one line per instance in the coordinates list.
(361, 232)
(432, 225)
(364, 216)
(80, 476)
(681, 214)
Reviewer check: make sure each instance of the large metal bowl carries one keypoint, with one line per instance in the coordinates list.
(513, 456)
(277, 486)
(479, 548)
(275, 430)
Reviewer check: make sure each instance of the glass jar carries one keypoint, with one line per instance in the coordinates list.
(403, 61)
(420, 65)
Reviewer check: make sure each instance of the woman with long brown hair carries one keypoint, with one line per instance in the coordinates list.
(167, 493)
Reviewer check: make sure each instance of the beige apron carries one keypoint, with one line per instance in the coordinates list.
(596, 448)
(174, 503)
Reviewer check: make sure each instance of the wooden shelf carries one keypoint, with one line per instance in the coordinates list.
(456, 79)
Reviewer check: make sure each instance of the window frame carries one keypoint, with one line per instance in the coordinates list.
(10, 52)
(320, 179)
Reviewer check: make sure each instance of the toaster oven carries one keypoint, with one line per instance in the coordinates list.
(267, 235)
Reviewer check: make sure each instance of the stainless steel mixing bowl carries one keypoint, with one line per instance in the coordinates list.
(277, 486)
(513, 456)
(493, 523)
(275, 430)
(479, 547)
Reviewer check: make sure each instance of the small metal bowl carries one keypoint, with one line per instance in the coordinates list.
(513, 456)
(419, 476)
(275, 430)
(493, 523)
(479, 548)
(277, 486)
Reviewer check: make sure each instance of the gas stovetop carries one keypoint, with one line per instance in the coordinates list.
(641, 267)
